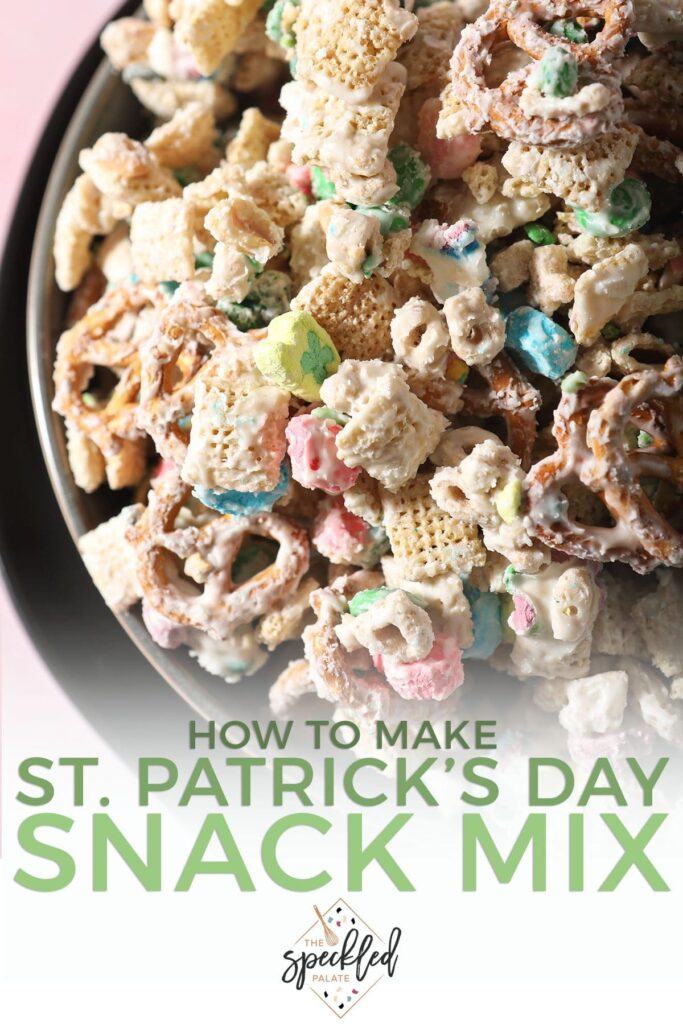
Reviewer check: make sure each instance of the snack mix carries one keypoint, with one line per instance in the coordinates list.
(391, 367)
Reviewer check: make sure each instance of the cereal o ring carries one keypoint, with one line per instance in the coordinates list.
(623, 350)
(627, 209)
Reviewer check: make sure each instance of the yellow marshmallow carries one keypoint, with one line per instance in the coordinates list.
(298, 355)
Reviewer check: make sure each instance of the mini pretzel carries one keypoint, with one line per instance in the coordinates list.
(525, 31)
(617, 472)
(656, 418)
(339, 675)
(672, 416)
(167, 557)
(589, 428)
(511, 396)
(548, 511)
(187, 334)
(108, 336)
(499, 107)
(89, 291)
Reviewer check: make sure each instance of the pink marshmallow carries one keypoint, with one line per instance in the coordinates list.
(183, 65)
(347, 539)
(447, 158)
(432, 678)
(585, 750)
(523, 617)
(313, 454)
(458, 233)
(163, 468)
(163, 631)
(299, 177)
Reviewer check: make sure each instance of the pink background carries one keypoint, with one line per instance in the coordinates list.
(36, 58)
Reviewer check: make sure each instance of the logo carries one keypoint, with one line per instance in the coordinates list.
(340, 958)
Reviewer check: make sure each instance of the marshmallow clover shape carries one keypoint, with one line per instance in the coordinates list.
(298, 354)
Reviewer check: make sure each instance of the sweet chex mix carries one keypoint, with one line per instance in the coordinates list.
(393, 365)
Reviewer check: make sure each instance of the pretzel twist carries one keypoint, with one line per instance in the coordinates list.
(590, 428)
(498, 107)
(176, 355)
(525, 31)
(109, 337)
(216, 605)
(510, 395)
(616, 472)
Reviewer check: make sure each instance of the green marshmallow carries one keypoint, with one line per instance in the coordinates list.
(321, 186)
(245, 318)
(574, 382)
(203, 260)
(557, 73)
(169, 287)
(569, 29)
(412, 176)
(325, 413)
(539, 234)
(284, 37)
(391, 218)
(611, 331)
(370, 263)
(365, 599)
(268, 297)
(510, 579)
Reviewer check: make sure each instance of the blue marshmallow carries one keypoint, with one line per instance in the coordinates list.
(541, 344)
(486, 623)
(244, 503)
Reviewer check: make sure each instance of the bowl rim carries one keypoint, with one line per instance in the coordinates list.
(40, 344)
